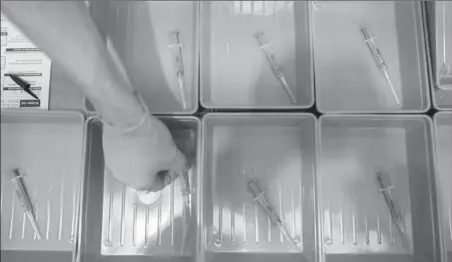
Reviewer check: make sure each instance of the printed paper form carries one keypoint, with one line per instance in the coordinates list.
(21, 57)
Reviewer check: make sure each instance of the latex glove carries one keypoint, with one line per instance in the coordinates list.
(141, 157)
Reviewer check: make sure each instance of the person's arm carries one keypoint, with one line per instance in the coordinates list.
(66, 32)
(137, 146)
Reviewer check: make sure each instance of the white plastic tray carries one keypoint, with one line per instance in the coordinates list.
(235, 72)
(442, 98)
(278, 150)
(117, 225)
(443, 128)
(443, 30)
(47, 147)
(347, 77)
(140, 33)
(355, 221)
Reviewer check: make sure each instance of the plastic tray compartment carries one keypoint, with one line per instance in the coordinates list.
(277, 151)
(140, 35)
(442, 98)
(356, 223)
(443, 130)
(443, 29)
(347, 76)
(235, 72)
(47, 147)
(118, 226)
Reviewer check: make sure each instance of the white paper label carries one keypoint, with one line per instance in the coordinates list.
(21, 57)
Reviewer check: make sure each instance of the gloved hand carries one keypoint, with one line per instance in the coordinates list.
(141, 156)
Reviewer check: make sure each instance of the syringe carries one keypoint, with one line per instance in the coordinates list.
(381, 64)
(186, 189)
(270, 211)
(186, 195)
(385, 188)
(16, 178)
(275, 66)
(446, 68)
(180, 75)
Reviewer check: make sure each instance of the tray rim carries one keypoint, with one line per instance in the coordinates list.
(42, 113)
